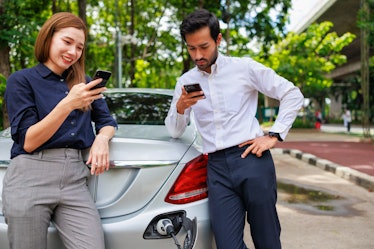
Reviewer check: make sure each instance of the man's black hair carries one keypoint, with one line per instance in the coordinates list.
(199, 19)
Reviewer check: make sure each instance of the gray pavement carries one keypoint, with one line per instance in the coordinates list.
(351, 222)
(349, 226)
(333, 150)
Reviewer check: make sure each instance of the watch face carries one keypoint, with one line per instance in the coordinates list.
(274, 134)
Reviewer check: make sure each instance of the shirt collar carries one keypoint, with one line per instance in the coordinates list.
(44, 71)
(218, 64)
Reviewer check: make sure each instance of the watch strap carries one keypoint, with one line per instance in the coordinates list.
(275, 134)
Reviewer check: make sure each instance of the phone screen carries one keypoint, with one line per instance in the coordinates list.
(105, 75)
(195, 87)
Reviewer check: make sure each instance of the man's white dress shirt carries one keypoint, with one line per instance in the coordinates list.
(227, 116)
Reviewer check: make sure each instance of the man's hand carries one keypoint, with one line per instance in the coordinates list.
(258, 145)
(187, 100)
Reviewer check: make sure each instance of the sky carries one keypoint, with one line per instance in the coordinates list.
(302, 10)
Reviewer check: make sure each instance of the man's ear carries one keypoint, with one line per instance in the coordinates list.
(219, 39)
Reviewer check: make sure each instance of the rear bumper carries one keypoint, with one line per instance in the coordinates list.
(126, 232)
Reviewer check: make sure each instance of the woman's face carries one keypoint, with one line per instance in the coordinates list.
(66, 48)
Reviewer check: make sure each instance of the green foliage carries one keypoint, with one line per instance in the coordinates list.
(149, 32)
(18, 25)
(300, 123)
(145, 76)
(263, 20)
(306, 58)
(368, 22)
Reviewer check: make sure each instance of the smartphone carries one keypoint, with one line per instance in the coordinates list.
(195, 87)
(105, 75)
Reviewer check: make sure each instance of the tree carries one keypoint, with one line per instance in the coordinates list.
(365, 25)
(306, 58)
(152, 52)
(18, 20)
(262, 21)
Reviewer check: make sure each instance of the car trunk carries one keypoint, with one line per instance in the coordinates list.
(139, 168)
(142, 158)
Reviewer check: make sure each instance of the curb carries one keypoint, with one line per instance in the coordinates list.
(354, 176)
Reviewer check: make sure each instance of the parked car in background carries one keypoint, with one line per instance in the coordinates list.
(155, 194)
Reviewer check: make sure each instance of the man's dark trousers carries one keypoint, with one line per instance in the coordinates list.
(239, 187)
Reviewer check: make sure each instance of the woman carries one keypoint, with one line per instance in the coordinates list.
(51, 109)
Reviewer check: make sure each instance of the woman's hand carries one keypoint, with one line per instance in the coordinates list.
(99, 155)
(81, 96)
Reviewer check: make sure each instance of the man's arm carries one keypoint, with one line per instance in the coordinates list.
(175, 122)
(179, 113)
(290, 105)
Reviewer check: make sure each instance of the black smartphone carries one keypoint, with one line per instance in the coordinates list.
(105, 75)
(195, 87)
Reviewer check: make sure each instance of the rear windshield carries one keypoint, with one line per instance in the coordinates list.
(138, 108)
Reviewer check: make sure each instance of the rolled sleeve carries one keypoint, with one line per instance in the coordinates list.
(101, 116)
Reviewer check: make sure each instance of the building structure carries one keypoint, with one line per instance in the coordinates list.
(343, 14)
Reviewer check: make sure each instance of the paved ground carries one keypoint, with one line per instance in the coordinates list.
(350, 223)
(347, 155)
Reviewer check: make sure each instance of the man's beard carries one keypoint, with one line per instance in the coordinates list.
(209, 62)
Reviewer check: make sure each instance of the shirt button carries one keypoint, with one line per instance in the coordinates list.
(72, 122)
(62, 80)
(72, 134)
(66, 92)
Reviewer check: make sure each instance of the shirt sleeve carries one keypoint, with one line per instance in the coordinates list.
(101, 116)
(290, 97)
(20, 106)
(100, 113)
(176, 123)
(290, 104)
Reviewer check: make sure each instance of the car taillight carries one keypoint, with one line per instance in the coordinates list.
(191, 184)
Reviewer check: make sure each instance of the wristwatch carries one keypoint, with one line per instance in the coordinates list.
(275, 134)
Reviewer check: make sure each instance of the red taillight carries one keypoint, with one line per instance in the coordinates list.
(191, 184)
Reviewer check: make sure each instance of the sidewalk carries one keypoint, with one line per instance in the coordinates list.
(330, 149)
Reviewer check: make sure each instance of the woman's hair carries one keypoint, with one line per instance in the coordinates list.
(199, 19)
(76, 73)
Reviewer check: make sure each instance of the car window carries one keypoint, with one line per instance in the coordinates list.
(138, 108)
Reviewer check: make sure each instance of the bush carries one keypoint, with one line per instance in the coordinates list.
(299, 123)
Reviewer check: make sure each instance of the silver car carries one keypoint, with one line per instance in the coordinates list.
(155, 194)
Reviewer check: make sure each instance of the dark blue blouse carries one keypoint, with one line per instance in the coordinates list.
(32, 93)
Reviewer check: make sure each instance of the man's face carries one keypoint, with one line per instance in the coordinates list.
(202, 48)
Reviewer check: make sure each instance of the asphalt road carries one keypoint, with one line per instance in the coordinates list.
(349, 225)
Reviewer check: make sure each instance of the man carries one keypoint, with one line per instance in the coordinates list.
(241, 172)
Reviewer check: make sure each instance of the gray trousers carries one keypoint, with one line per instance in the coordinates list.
(50, 186)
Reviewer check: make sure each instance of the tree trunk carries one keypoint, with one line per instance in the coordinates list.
(5, 70)
(227, 38)
(82, 11)
(365, 69)
(132, 45)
